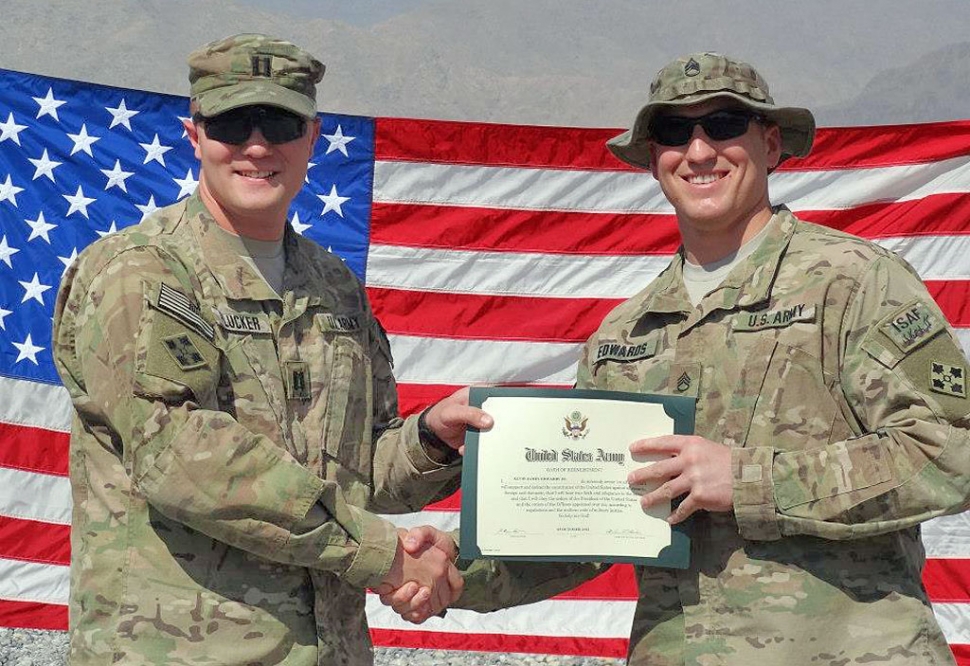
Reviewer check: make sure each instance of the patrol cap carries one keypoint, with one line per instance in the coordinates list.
(248, 69)
(698, 77)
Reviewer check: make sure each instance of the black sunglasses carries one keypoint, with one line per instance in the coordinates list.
(235, 126)
(718, 125)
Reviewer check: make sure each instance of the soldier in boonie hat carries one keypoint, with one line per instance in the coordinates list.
(698, 77)
(249, 69)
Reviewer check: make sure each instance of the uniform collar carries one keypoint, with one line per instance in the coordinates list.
(223, 254)
(746, 286)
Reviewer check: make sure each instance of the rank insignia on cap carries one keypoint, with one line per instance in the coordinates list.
(692, 68)
(184, 352)
(298, 380)
(262, 66)
(948, 379)
(683, 382)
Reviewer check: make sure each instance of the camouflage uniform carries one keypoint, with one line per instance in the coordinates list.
(229, 447)
(825, 365)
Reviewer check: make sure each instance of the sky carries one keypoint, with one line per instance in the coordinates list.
(560, 62)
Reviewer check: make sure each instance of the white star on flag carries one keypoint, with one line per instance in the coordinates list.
(27, 350)
(146, 209)
(9, 191)
(6, 252)
(155, 151)
(186, 185)
(338, 141)
(78, 202)
(67, 261)
(3, 314)
(332, 201)
(310, 165)
(11, 130)
(120, 115)
(39, 228)
(83, 141)
(298, 226)
(48, 105)
(33, 289)
(113, 229)
(44, 166)
(117, 177)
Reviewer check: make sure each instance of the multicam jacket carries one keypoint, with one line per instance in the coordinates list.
(228, 449)
(825, 365)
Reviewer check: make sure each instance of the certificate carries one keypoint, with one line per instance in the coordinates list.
(549, 480)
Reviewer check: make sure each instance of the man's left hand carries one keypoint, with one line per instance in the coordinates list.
(695, 467)
(448, 418)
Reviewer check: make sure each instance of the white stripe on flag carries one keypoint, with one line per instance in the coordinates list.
(954, 619)
(511, 273)
(637, 192)
(424, 360)
(578, 276)
(948, 536)
(42, 583)
(35, 496)
(933, 257)
(34, 404)
(560, 617)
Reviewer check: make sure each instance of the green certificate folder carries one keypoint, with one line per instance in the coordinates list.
(548, 481)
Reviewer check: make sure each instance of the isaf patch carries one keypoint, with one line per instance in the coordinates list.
(948, 379)
(912, 325)
(185, 353)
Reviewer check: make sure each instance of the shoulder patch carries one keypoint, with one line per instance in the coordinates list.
(178, 306)
(948, 379)
(912, 325)
(184, 352)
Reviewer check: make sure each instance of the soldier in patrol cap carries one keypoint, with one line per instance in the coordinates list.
(832, 415)
(236, 426)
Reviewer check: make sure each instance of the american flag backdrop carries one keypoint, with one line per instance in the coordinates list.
(490, 252)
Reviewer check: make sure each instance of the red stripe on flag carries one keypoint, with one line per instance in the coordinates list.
(886, 145)
(564, 645)
(34, 449)
(34, 541)
(442, 141)
(593, 234)
(947, 580)
(559, 232)
(937, 214)
(961, 653)
(491, 317)
(471, 316)
(953, 297)
(413, 398)
(32, 615)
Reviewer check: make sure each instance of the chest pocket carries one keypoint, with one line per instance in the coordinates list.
(346, 411)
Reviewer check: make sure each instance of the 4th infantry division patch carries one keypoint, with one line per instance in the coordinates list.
(184, 352)
(948, 379)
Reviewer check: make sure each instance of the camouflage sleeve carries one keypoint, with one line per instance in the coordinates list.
(902, 373)
(494, 584)
(407, 475)
(191, 462)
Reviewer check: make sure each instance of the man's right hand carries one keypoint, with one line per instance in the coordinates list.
(415, 602)
(423, 580)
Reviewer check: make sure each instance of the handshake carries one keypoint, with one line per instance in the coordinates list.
(423, 579)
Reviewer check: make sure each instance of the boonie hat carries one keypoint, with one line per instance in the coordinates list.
(249, 69)
(699, 77)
